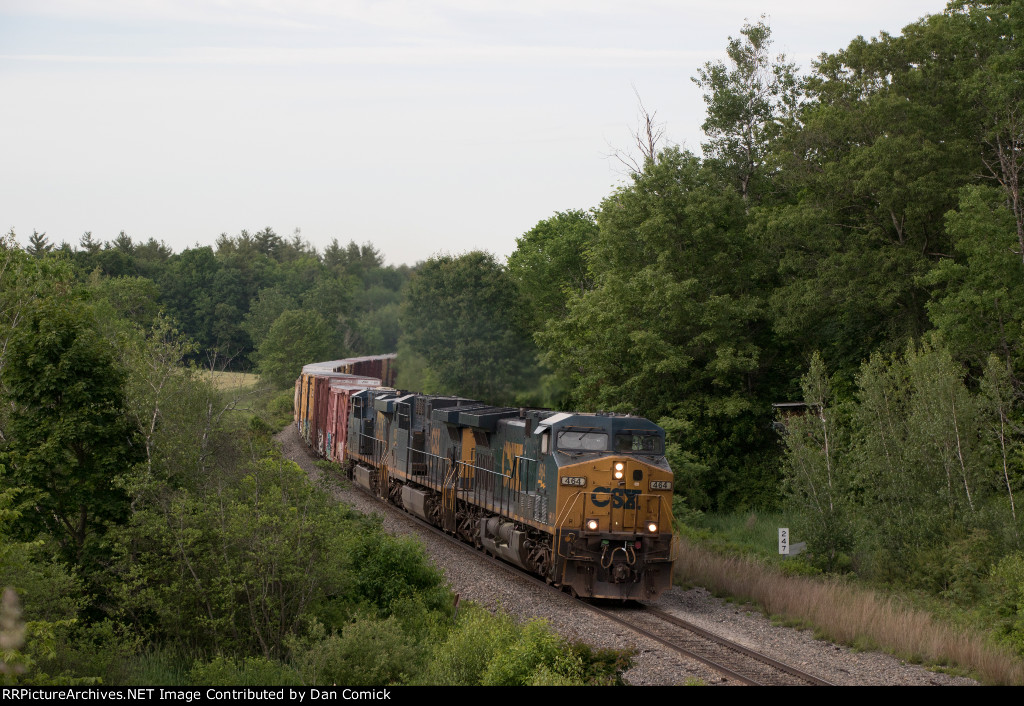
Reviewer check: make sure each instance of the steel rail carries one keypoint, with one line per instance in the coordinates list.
(687, 625)
(726, 671)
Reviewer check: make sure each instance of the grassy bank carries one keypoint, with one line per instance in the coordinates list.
(844, 612)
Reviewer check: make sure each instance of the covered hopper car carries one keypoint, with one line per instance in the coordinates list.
(583, 500)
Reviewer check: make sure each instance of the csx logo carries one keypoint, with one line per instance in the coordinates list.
(619, 497)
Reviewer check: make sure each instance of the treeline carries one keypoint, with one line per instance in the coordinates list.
(227, 298)
(863, 222)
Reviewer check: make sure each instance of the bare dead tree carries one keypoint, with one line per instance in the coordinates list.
(647, 138)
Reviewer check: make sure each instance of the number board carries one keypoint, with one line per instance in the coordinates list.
(577, 481)
(661, 485)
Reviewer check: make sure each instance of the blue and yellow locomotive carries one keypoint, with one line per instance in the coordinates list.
(584, 500)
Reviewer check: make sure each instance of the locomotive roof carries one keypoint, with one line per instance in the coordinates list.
(608, 422)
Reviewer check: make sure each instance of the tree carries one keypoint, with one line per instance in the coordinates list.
(70, 439)
(123, 243)
(24, 280)
(670, 329)
(38, 245)
(549, 264)
(237, 570)
(882, 152)
(992, 91)
(263, 312)
(749, 104)
(88, 244)
(924, 468)
(297, 337)
(980, 306)
(647, 138)
(817, 479)
(460, 315)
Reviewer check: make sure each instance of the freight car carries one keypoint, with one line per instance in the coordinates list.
(321, 398)
(583, 500)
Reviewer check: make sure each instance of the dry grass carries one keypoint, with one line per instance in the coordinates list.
(849, 614)
(230, 381)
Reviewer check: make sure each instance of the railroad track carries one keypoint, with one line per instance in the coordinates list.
(733, 661)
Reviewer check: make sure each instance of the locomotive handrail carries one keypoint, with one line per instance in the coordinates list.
(507, 495)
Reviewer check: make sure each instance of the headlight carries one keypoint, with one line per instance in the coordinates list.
(652, 527)
(592, 525)
(620, 467)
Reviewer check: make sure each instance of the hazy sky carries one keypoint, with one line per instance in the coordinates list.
(419, 125)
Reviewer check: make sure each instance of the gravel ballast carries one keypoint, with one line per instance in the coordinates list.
(474, 579)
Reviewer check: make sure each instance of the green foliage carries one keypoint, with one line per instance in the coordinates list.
(549, 264)
(912, 481)
(270, 303)
(1007, 600)
(280, 410)
(414, 373)
(366, 652)
(817, 478)
(669, 330)
(981, 309)
(748, 106)
(847, 212)
(956, 570)
(70, 437)
(296, 337)
(133, 299)
(235, 570)
(460, 316)
(170, 402)
(920, 463)
(387, 570)
(103, 650)
(46, 589)
(246, 671)
(39, 598)
(492, 650)
(38, 246)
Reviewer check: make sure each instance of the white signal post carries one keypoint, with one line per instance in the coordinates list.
(784, 540)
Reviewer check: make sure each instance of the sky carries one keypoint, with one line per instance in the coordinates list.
(422, 126)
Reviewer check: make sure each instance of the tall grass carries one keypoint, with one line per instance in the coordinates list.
(848, 614)
(225, 380)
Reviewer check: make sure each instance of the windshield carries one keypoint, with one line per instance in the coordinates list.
(639, 442)
(583, 440)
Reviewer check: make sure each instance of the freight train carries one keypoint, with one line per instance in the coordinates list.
(583, 500)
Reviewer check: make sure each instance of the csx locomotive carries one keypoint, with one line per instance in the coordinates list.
(583, 500)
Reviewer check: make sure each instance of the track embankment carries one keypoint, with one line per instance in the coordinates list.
(474, 579)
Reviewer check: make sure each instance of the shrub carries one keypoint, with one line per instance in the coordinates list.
(250, 671)
(368, 651)
(1007, 581)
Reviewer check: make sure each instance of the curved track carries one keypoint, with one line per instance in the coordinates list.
(732, 660)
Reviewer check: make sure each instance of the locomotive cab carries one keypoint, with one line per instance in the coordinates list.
(613, 517)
